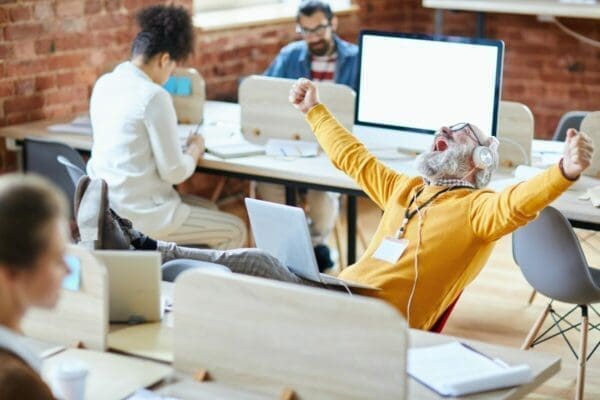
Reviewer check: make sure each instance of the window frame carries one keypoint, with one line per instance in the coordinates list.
(259, 15)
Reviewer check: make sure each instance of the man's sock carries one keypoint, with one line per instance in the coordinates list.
(144, 242)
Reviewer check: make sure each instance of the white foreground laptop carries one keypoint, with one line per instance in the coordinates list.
(134, 284)
(282, 231)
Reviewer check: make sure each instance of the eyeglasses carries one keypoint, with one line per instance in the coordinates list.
(318, 30)
(462, 125)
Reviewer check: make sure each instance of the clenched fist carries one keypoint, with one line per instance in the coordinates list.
(579, 150)
(304, 95)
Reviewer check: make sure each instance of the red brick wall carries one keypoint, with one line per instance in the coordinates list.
(52, 50)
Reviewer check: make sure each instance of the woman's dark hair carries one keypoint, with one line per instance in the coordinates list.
(27, 206)
(309, 7)
(164, 29)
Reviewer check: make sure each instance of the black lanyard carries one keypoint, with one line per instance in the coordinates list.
(409, 214)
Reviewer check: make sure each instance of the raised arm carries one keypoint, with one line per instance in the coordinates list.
(343, 149)
(494, 215)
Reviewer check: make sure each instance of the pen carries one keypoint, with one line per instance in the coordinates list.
(283, 151)
(197, 128)
(493, 359)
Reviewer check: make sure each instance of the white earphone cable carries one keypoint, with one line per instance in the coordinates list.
(416, 264)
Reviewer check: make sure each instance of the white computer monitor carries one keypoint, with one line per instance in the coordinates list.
(410, 85)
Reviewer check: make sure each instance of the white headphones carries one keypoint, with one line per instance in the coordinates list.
(483, 156)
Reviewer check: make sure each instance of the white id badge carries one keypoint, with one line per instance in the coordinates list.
(391, 249)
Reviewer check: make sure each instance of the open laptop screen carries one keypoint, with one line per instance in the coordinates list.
(419, 83)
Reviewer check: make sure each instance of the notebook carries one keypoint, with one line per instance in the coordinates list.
(456, 369)
(234, 150)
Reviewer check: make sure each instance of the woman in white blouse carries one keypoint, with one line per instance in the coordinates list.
(136, 146)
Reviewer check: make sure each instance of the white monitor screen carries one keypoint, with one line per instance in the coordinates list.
(420, 83)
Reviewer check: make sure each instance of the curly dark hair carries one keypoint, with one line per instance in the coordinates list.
(164, 29)
(309, 7)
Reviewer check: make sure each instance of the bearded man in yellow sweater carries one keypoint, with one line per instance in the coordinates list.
(437, 230)
(446, 221)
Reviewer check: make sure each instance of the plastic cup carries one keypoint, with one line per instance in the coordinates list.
(69, 380)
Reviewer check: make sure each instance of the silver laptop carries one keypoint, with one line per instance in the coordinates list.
(282, 231)
(134, 284)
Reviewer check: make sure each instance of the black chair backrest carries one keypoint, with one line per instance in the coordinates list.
(41, 157)
(571, 119)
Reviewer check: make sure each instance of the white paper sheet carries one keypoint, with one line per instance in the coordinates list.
(453, 369)
(291, 148)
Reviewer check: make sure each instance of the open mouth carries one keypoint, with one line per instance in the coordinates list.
(441, 144)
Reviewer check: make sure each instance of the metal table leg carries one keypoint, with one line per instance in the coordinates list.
(351, 218)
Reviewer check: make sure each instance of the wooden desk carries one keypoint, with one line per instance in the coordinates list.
(111, 376)
(310, 173)
(529, 7)
(543, 365)
(126, 374)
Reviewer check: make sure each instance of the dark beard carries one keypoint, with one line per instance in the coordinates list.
(323, 48)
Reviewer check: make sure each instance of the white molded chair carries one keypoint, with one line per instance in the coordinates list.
(550, 257)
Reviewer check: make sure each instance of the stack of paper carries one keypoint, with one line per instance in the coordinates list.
(81, 125)
(454, 369)
(235, 150)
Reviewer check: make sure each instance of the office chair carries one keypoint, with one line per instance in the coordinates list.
(171, 269)
(50, 159)
(73, 170)
(570, 119)
(443, 319)
(550, 257)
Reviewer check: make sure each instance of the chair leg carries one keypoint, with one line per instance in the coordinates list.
(252, 189)
(535, 329)
(361, 236)
(532, 296)
(252, 195)
(582, 358)
(337, 233)
(218, 189)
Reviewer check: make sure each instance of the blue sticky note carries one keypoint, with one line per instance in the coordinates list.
(171, 85)
(73, 280)
(184, 86)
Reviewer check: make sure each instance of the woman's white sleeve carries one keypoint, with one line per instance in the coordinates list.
(161, 123)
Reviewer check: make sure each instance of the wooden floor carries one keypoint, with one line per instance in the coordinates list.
(494, 309)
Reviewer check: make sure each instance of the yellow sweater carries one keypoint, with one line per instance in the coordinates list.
(459, 228)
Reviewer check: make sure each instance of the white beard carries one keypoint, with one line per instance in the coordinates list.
(454, 163)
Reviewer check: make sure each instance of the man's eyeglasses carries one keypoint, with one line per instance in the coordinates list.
(318, 30)
(462, 125)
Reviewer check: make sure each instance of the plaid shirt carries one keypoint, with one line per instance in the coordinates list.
(450, 182)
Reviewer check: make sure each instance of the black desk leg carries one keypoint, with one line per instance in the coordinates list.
(351, 218)
(290, 195)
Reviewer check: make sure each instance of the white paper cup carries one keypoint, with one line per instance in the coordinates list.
(69, 380)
